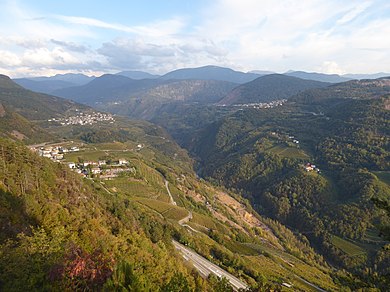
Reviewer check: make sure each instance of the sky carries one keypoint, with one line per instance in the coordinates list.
(46, 37)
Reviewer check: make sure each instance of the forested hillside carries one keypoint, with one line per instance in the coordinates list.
(316, 167)
(268, 88)
(32, 105)
(73, 229)
(59, 232)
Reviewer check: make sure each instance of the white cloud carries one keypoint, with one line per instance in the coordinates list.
(155, 29)
(330, 36)
(331, 67)
(9, 60)
(352, 14)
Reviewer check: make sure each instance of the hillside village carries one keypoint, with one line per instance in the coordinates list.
(262, 105)
(84, 119)
(101, 168)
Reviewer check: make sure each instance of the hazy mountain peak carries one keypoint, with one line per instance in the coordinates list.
(137, 75)
(332, 78)
(211, 72)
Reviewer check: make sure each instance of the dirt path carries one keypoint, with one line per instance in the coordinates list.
(172, 201)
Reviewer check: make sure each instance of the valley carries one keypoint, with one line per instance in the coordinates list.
(280, 194)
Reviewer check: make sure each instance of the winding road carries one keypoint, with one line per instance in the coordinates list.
(204, 266)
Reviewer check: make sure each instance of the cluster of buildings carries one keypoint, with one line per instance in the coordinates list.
(311, 167)
(101, 168)
(84, 119)
(260, 105)
(293, 139)
(55, 153)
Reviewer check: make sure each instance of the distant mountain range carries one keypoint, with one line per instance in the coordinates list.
(50, 84)
(105, 88)
(331, 78)
(137, 75)
(140, 95)
(268, 88)
(78, 79)
(367, 76)
(211, 73)
(56, 84)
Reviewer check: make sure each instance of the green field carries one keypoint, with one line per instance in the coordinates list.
(288, 152)
(175, 213)
(165, 209)
(137, 188)
(348, 247)
(241, 248)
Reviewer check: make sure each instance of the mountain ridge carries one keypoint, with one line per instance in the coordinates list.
(211, 73)
(268, 88)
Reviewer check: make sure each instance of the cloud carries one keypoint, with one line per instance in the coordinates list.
(9, 60)
(70, 46)
(135, 53)
(332, 68)
(353, 13)
(329, 36)
(86, 21)
(154, 29)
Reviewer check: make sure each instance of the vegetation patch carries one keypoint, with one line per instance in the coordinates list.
(241, 248)
(175, 213)
(348, 247)
(289, 152)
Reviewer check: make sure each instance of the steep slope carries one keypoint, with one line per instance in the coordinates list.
(107, 88)
(59, 230)
(62, 231)
(355, 89)
(269, 88)
(32, 105)
(16, 127)
(153, 102)
(203, 91)
(211, 73)
(269, 155)
(330, 78)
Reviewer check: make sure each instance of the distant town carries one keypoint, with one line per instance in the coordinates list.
(84, 119)
(261, 105)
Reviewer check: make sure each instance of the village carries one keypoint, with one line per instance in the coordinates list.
(84, 119)
(101, 168)
(262, 105)
(55, 153)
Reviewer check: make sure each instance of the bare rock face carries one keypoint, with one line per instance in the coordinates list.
(2, 111)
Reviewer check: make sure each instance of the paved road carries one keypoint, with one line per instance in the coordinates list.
(205, 267)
